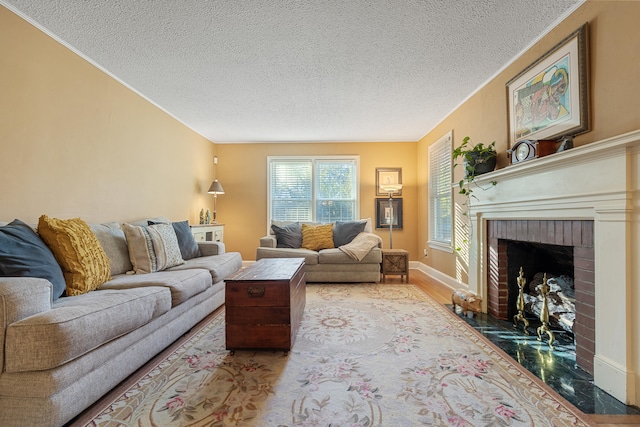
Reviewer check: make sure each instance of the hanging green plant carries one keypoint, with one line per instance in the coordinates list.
(477, 159)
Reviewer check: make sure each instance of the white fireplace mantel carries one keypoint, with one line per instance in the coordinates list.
(600, 182)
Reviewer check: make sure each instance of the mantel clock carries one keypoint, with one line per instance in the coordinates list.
(528, 149)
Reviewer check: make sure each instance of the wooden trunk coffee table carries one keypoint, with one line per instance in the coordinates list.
(264, 304)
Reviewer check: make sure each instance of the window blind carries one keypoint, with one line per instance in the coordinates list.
(440, 197)
(313, 189)
(291, 190)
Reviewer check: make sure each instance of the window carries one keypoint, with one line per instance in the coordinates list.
(322, 189)
(440, 198)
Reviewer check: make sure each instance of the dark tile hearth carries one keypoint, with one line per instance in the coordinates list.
(557, 368)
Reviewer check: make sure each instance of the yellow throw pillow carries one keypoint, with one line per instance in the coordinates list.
(317, 237)
(83, 260)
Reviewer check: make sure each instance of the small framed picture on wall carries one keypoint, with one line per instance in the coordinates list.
(389, 214)
(388, 176)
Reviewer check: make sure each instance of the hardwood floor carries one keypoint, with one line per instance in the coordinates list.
(442, 294)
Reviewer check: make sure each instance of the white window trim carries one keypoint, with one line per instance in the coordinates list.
(356, 159)
(436, 244)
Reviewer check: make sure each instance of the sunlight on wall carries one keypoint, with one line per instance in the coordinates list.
(461, 241)
(493, 261)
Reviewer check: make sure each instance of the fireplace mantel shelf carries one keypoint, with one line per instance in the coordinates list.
(597, 150)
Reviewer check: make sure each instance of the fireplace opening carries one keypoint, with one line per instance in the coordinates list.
(536, 261)
(557, 247)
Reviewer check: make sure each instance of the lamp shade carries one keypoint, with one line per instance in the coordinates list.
(391, 188)
(216, 188)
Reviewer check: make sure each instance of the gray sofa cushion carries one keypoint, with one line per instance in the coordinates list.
(343, 273)
(219, 266)
(310, 257)
(114, 243)
(24, 254)
(79, 324)
(183, 284)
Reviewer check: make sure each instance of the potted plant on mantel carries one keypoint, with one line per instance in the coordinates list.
(477, 159)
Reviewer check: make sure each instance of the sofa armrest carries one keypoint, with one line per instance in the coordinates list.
(268, 242)
(211, 248)
(21, 297)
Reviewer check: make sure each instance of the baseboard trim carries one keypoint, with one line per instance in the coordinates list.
(614, 379)
(438, 275)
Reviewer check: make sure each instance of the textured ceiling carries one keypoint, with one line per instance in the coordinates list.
(287, 70)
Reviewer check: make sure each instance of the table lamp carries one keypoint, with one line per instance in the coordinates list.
(215, 189)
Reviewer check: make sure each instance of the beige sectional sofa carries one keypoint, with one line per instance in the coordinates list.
(60, 355)
(353, 257)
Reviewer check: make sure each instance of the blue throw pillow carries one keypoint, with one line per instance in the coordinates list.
(288, 236)
(24, 254)
(345, 231)
(188, 246)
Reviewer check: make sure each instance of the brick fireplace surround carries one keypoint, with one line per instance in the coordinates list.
(598, 183)
(577, 234)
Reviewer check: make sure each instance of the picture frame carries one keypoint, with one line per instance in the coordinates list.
(549, 99)
(388, 176)
(383, 213)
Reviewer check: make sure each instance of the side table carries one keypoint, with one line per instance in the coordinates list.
(208, 232)
(395, 261)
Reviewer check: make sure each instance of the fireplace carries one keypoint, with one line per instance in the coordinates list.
(560, 247)
(588, 198)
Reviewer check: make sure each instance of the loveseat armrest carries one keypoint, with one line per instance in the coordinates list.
(211, 248)
(268, 242)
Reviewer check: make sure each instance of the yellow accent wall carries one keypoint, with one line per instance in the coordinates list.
(242, 170)
(76, 143)
(614, 61)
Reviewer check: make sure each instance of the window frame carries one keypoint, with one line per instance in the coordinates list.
(314, 179)
(442, 148)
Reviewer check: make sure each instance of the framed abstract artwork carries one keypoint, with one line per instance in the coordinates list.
(549, 99)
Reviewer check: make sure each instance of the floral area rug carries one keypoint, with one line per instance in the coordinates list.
(365, 355)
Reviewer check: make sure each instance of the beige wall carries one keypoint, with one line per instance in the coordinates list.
(614, 89)
(242, 170)
(76, 143)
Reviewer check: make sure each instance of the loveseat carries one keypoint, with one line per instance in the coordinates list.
(60, 353)
(338, 252)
